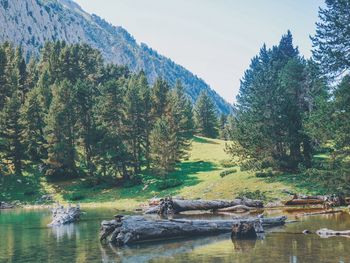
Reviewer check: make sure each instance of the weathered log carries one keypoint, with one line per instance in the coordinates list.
(133, 229)
(249, 229)
(325, 233)
(62, 215)
(175, 206)
(304, 202)
(236, 208)
(4, 205)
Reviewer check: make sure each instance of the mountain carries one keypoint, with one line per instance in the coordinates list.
(31, 23)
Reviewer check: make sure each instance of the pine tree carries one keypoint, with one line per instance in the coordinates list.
(134, 122)
(84, 99)
(331, 42)
(11, 133)
(205, 116)
(112, 155)
(146, 115)
(163, 146)
(160, 92)
(342, 115)
(33, 121)
(274, 101)
(59, 132)
(180, 117)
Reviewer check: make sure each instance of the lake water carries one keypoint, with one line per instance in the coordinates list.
(24, 237)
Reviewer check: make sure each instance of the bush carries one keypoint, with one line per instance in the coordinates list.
(267, 173)
(227, 172)
(75, 196)
(257, 195)
(228, 163)
(168, 183)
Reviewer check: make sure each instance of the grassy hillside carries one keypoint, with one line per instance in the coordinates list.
(199, 177)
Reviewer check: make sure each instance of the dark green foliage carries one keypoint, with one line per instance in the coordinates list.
(275, 100)
(11, 146)
(267, 173)
(331, 42)
(227, 172)
(32, 118)
(59, 132)
(205, 116)
(163, 146)
(74, 197)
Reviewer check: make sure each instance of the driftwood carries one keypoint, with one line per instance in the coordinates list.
(175, 206)
(62, 215)
(133, 229)
(327, 201)
(4, 205)
(325, 233)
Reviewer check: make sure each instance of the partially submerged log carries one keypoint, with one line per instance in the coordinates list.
(175, 206)
(325, 233)
(4, 205)
(62, 215)
(133, 229)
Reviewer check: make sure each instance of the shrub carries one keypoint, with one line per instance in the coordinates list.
(227, 172)
(75, 196)
(228, 163)
(168, 183)
(257, 194)
(267, 173)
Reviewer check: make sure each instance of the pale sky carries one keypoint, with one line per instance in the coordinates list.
(215, 39)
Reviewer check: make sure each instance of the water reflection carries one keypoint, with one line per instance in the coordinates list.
(66, 231)
(24, 237)
(166, 249)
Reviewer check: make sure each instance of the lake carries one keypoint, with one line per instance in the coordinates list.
(24, 237)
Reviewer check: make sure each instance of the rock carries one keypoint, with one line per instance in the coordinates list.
(62, 215)
(249, 229)
(306, 232)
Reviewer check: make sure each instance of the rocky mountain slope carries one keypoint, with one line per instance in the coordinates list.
(31, 23)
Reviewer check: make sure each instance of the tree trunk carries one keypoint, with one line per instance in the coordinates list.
(133, 229)
(170, 206)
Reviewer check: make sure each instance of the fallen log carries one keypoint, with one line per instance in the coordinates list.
(325, 233)
(62, 215)
(133, 229)
(175, 206)
(304, 202)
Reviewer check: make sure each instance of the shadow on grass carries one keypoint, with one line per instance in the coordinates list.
(185, 173)
(26, 188)
(300, 182)
(203, 140)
